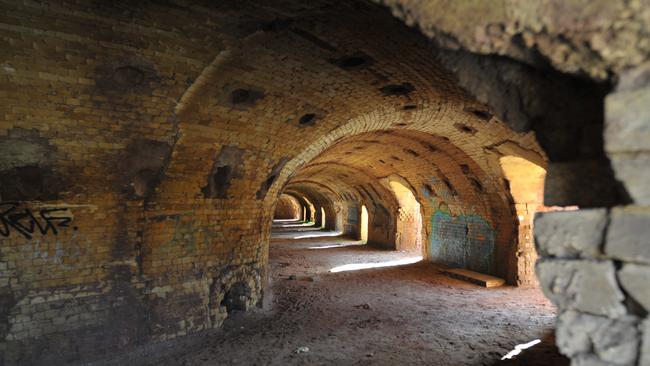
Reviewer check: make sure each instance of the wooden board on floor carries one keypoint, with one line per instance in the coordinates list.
(475, 277)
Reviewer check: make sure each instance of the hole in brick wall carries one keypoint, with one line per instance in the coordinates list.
(239, 96)
(225, 168)
(236, 298)
(221, 181)
(128, 76)
(141, 167)
(395, 158)
(409, 107)
(397, 89)
(275, 171)
(451, 188)
(401, 124)
(465, 128)
(307, 119)
(430, 147)
(480, 114)
(381, 161)
(477, 185)
(265, 186)
(144, 182)
(464, 168)
(428, 190)
(245, 97)
(353, 62)
(412, 152)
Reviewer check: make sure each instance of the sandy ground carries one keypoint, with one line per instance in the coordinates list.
(395, 315)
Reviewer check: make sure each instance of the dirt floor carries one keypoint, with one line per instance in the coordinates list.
(398, 314)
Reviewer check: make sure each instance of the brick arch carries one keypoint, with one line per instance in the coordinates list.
(453, 189)
(287, 208)
(186, 123)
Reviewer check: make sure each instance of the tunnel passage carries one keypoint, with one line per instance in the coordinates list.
(145, 147)
(426, 195)
(288, 208)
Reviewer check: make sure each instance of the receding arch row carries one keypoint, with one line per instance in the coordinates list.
(471, 218)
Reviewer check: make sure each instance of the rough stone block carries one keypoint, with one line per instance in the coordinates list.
(634, 279)
(628, 235)
(627, 122)
(631, 168)
(627, 132)
(570, 234)
(588, 286)
(593, 338)
(644, 355)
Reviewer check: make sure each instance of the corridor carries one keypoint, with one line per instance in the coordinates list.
(398, 312)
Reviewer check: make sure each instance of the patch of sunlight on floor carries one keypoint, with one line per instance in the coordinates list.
(288, 226)
(337, 246)
(519, 348)
(317, 235)
(358, 266)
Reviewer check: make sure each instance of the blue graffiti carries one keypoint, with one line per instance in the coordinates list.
(465, 241)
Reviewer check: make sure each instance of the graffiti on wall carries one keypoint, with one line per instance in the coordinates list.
(26, 222)
(464, 241)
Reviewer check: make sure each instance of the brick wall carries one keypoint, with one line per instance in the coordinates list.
(144, 148)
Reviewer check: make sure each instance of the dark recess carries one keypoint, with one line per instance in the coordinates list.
(245, 96)
(307, 119)
(235, 298)
(353, 62)
(403, 89)
(465, 128)
(480, 114)
(276, 25)
(268, 182)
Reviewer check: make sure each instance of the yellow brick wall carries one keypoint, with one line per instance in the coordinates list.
(123, 111)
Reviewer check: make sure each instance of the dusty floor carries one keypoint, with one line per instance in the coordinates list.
(399, 315)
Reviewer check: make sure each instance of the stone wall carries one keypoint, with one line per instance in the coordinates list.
(596, 262)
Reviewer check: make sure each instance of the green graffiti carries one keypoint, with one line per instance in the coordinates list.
(464, 241)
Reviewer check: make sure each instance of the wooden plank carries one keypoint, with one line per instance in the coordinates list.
(475, 277)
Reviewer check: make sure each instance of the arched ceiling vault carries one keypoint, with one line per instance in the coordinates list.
(303, 78)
